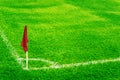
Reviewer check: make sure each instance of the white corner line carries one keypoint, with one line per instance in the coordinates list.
(55, 65)
(14, 52)
(9, 46)
(77, 64)
(39, 59)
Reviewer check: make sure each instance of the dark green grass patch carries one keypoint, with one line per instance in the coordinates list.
(35, 64)
(30, 4)
(111, 17)
(9, 68)
(108, 71)
(96, 5)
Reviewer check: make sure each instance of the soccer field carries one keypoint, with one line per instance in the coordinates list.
(68, 39)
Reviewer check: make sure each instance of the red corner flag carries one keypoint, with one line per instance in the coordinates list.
(25, 40)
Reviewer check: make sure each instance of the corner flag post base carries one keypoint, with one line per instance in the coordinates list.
(26, 60)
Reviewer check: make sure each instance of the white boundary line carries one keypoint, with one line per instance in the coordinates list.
(38, 59)
(14, 52)
(8, 44)
(54, 66)
(78, 64)
(10, 47)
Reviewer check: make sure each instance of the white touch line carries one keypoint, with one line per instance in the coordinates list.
(14, 52)
(12, 49)
(8, 44)
(38, 59)
(78, 64)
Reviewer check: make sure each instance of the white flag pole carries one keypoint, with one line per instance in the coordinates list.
(26, 60)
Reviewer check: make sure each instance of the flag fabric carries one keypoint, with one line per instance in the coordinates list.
(24, 42)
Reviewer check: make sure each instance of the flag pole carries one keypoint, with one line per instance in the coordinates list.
(26, 60)
(25, 45)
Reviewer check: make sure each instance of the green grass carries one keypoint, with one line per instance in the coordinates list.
(61, 31)
(102, 5)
